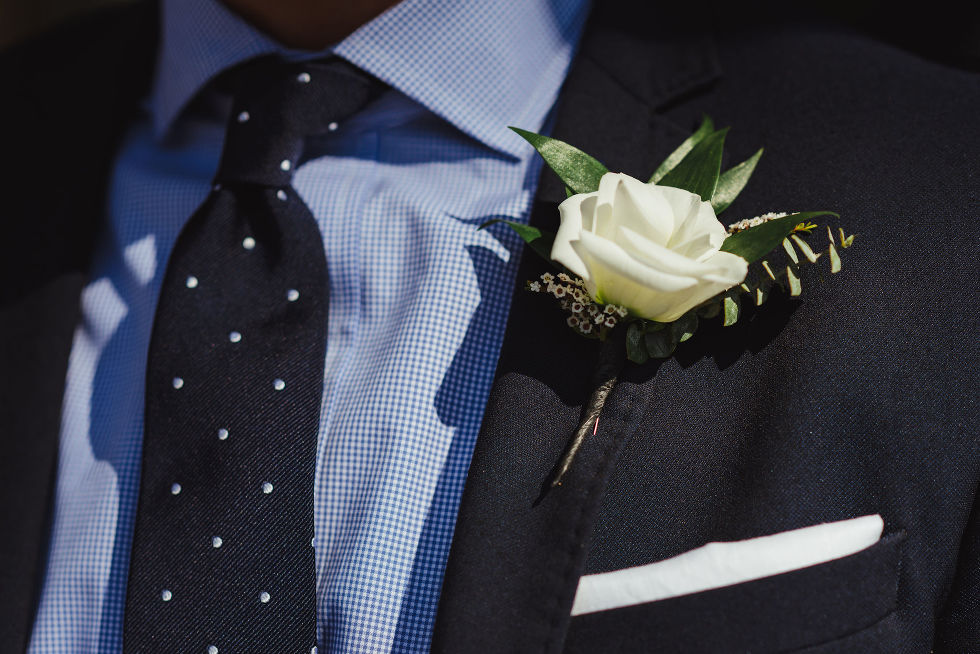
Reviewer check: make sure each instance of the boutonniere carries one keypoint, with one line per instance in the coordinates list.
(640, 264)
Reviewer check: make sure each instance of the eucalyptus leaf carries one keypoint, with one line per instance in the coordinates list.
(684, 327)
(805, 248)
(660, 344)
(731, 311)
(698, 172)
(835, 264)
(537, 240)
(790, 251)
(732, 181)
(580, 172)
(756, 242)
(795, 287)
(710, 309)
(636, 348)
(675, 157)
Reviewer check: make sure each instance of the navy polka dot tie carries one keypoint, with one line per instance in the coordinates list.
(223, 551)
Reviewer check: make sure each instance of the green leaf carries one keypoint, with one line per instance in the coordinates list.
(579, 171)
(538, 240)
(805, 248)
(790, 251)
(756, 242)
(795, 288)
(732, 181)
(675, 157)
(834, 259)
(698, 172)
(709, 309)
(660, 345)
(636, 348)
(731, 311)
(684, 327)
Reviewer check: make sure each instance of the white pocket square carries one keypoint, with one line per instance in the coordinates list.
(722, 564)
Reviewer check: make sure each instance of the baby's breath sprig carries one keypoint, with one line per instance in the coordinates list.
(586, 316)
(742, 225)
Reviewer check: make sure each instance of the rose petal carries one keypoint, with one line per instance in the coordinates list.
(682, 204)
(621, 290)
(571, 212)
(650, 293)
(661, 258)
(625, 201)
(729, 268)
(694, 218)
(610, 261)
(698, 247)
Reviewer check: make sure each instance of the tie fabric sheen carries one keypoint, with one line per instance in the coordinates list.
(223, 551)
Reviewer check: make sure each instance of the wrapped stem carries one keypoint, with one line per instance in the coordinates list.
(612, 356)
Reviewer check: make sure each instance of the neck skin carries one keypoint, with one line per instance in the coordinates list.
(308, 24)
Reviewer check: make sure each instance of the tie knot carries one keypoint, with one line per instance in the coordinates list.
(277, 105)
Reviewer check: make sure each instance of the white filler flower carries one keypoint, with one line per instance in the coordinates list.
(653, 249)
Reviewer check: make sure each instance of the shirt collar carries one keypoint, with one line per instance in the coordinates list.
(481, 64)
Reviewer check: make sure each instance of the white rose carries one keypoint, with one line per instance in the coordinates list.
(653, 249)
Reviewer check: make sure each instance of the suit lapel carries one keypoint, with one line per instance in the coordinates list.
(518, 551)
(65, 117)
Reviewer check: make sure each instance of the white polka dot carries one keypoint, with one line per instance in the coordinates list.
(278, 384)
(222, 434)
(234, 337)
(266, 488)
(191, 282)
(248, 243)
(175, 489)
(166, 596)
(177, 382)
(212, 649)
(314, 650)
(264, 597)
(292, 295)
(243, 117)
(333, 127)
(281, 194)
(304, 78)
(313, 542)
(217, 542)
(285, 164)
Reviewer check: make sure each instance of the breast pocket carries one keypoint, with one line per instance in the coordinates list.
(781, 613)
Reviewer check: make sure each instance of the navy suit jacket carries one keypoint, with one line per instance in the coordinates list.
(859, 398)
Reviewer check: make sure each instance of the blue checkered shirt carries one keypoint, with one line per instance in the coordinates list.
(418, 301)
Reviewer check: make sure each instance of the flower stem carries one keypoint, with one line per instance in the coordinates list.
(612, 356)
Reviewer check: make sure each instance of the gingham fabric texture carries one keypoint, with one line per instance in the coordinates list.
(418, 301)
